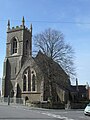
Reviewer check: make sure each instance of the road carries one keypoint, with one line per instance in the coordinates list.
(27, 113)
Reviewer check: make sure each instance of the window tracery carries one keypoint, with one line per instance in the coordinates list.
(24, 83)
(14, 46)
(29, 80)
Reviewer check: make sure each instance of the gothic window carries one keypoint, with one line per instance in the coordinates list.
(33, 82)
(14, 46)
(27, 46)
(29, 80)
(24, 83)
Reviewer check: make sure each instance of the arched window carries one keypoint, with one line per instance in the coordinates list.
(27, 47)
(24, 83)
(33, 82)
(27, 44)
(14, 46)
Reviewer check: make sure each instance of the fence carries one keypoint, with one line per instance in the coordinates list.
(8, 100)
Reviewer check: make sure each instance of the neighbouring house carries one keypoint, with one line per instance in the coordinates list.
(80, 92)
(35, 79)
(89, 93)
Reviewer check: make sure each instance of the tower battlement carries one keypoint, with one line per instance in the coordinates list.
(18, 28)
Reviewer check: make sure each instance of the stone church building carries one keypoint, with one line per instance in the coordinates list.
(35, 78)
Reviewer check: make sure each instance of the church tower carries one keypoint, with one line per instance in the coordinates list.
(18, 50)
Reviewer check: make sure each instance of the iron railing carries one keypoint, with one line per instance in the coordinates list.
(8, 100)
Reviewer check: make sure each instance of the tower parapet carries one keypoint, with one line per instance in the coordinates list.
(18, 28)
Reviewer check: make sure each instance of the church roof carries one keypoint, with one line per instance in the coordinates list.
(43, 59)
(51, 68)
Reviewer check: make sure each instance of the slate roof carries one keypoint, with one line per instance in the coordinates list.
(47, 65)
(81, 88)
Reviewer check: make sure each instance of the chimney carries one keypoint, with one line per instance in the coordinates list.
(77, 84)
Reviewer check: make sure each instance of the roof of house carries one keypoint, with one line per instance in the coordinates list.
(81, 88)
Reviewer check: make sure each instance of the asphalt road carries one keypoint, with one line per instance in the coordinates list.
(27, 113)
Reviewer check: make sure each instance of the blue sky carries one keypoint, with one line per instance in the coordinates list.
(71, 17)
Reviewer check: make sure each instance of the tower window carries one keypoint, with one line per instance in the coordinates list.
(27, 46)
(14, 46)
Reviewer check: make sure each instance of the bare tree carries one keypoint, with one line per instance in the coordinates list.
(51, 42)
